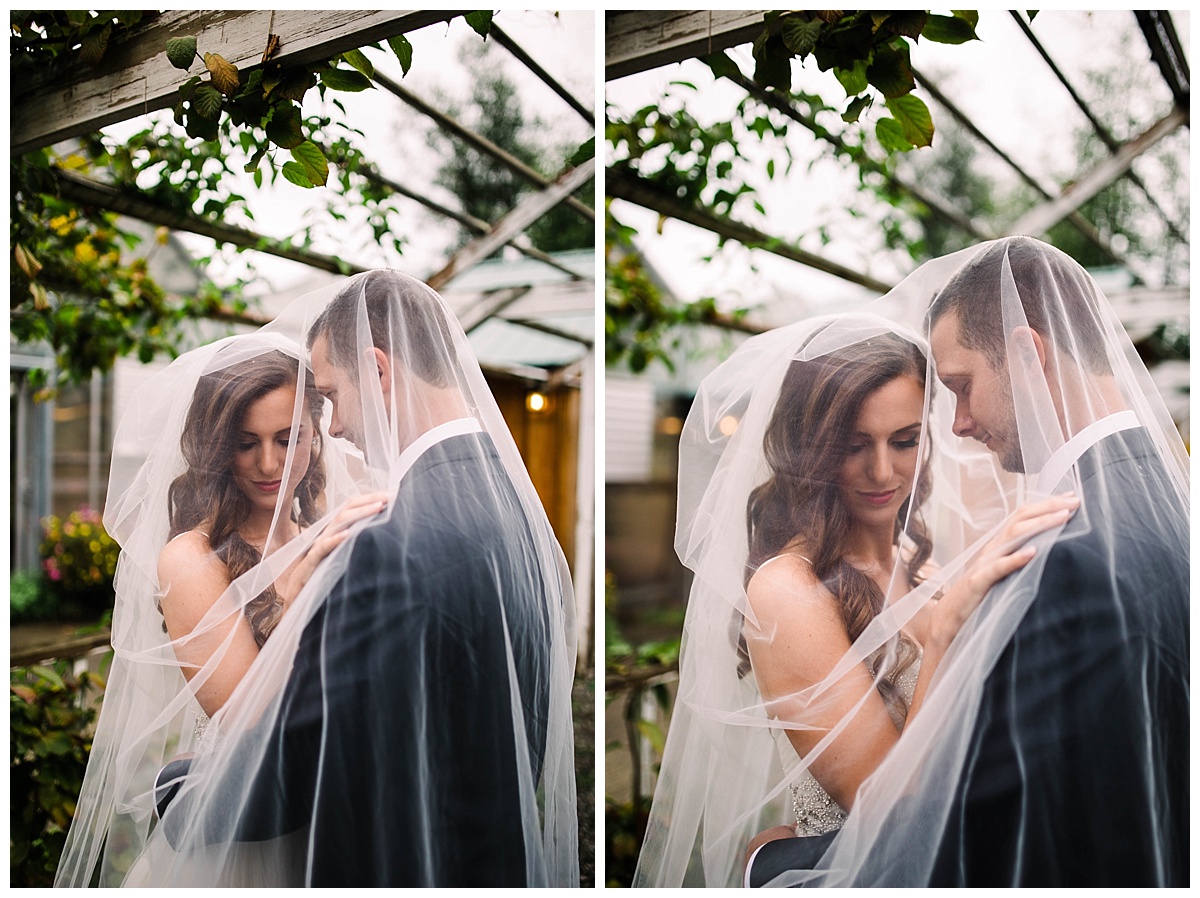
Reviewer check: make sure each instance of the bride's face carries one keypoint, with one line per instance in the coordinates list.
(877, 474)
(261, 448)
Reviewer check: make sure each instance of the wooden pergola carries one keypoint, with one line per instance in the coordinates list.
(637, 41)
(135, 78)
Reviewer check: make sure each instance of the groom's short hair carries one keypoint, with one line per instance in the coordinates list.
(1057, 295)
(406, 321)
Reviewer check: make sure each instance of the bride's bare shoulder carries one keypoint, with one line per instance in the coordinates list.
(786, 586)
(189, 556)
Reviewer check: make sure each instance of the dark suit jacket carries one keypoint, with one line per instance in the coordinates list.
(1077, 768)
(395, 743)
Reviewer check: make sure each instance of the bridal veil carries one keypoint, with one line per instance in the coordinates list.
(407, 719)
(1061, 709)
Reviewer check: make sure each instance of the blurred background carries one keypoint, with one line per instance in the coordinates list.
(156, 206)
(762, 170)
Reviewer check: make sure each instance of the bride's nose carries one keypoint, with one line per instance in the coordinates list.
(271, 457)
(879, 466)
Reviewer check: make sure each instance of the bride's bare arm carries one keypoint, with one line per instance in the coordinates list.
(193, 579)
(798, 640)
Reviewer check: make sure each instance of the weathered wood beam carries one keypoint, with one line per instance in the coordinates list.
(1106, 136)
(628, 187)
(135, 76)
(635, 40)
(516, 50)
(482, 144)
(490, 304)
(1044, 217)
(1167, 52)
(547, 329)
(92, 193)
(528, 210)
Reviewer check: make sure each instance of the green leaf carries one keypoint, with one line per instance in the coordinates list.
(653, 733)
(206, 101)
(722, 66)
(252, 165)
(50, 675)
(403, 50)
(771, 169)
(586, 151)
(773, 63)
(359, 61)
(914, 118)
(181, 51)
(970, 16)
(891, 71)
(196, 125)
(77, 16)
(908, 23)
(294, 86)
(853, 81)
(856, 107)
(258, 177)
(800, 36)
(316, 166)
(480, 21)
(93, 45)
(891, 135)
(949, 30)
(283, 126)
(295, 173)
(345, 79)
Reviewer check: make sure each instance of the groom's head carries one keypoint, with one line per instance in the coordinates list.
(383, 333)
(1054, 334)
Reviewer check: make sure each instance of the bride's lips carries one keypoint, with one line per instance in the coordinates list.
(268, 486)
(878, 498)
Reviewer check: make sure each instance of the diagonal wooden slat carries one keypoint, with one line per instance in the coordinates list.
(637, 40)
(1044, 217)
(525, 213)
(519, 52)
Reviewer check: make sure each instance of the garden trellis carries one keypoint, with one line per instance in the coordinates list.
(135, 77)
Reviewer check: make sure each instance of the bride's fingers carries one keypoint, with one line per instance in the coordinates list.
(1020, 531)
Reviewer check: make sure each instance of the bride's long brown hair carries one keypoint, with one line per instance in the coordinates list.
(805, 444)
(206, 492)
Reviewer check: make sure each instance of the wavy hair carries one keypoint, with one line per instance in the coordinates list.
(805, 445)
(206, 491)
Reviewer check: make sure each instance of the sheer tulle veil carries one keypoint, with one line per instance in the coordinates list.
(428, 659)
(1080, 413)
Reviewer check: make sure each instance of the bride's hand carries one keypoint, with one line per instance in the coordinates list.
(1004, 554)
(335, 533)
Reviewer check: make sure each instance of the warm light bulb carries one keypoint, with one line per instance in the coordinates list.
(535, 402)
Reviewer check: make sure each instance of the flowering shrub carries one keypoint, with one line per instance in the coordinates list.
(79, 559)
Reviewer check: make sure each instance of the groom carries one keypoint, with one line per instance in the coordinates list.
(1076, 772)
(1066, 782)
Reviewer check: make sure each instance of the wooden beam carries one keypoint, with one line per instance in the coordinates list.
(516, 50)
(92, 193)
(135, 76)
(1044, 217)
(526, 212)
(628, 187)
(479, 142)
(490, 304)
(635, 41)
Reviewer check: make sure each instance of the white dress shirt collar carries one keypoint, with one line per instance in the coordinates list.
(431, 438)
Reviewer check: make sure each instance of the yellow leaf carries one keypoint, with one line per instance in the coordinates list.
(224, 73)
(62, 224)
(161, 235)
(85, 253)
(75, 162)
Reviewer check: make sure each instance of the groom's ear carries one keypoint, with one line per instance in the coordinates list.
(383, 365)
(1029, 346)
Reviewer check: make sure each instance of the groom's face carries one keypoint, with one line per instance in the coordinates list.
(335, 384)
(983, 404)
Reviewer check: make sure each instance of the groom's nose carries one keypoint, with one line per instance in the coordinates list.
(964, 424)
